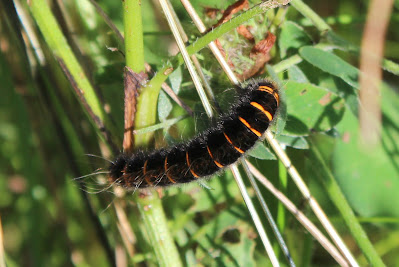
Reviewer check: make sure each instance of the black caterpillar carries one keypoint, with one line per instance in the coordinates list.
(221, 145)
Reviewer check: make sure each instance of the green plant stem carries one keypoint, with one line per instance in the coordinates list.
(134, 44)
(155, 222)
(390, 66)
(336, 195)
(307, 12)
(149, 204)
(134, 56)
(62, 51)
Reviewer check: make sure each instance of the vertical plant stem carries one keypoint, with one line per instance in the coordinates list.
(134, 53)
(155, 222)
(134, 43)
(149, 204)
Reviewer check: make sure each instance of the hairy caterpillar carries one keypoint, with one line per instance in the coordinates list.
(236, 132)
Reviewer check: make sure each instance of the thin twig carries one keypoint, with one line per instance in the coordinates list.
(212, 45)
(254, 215)
(180, 43)
(269, 215)
(125, 229)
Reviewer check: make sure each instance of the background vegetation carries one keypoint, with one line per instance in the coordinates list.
(49, 218)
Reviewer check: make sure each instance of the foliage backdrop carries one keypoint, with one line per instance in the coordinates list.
(48, 219)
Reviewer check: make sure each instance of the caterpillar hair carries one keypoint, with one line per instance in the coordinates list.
(233, 134)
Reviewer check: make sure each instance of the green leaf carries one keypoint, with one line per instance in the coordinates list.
(298, 142)
(296, 74)
(176, 79)
(331, 63)
(292, 37)
(260, 151)
(311, 108)
(164, 106)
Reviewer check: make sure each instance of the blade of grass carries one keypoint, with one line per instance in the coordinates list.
(266, 210)
(336, 195)
(255, 216)
(318, 211)
(190, 66)
(58, 44)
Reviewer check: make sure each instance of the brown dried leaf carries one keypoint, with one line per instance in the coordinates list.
(244, 32)
(264, 46)
(259, 53)
(211, 12)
